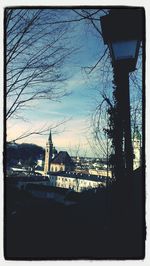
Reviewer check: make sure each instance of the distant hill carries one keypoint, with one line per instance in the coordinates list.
(24, 154)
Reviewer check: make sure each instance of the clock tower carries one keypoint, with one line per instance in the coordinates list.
(48, 154)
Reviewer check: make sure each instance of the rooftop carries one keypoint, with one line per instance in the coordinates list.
(62, 157)
(79, 176)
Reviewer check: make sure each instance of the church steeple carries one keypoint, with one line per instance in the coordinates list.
(50, 137)
(48, 153)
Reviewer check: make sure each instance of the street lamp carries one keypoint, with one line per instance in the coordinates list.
(125, 50)
(122, 32)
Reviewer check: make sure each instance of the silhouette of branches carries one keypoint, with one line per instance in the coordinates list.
(35, 55)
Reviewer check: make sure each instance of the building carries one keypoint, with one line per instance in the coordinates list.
(61, 162)
(55, 162)
(40, 162)
(137, 147)
(100, 172)
(48, 154)
(76, 182)
(60, 169)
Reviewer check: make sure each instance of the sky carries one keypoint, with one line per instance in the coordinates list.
(76, 109)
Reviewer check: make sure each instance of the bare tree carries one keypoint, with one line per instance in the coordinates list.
(77, 150)
(41, 131)
(36, 49)
(36, 52)
(103, 72)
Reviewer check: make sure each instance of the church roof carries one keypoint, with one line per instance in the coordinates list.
(62, 157)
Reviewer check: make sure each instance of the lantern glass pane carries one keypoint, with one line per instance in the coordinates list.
(124, 50)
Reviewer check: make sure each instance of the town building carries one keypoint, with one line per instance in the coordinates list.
(100, 172)
(61, 162)
(60, 169)
(137, 148)
(76, 182)
(55, 162)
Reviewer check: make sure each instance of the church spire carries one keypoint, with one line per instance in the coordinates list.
(48, 154)
(50, 137)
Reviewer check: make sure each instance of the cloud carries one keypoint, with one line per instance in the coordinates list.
(76, 81)
(68, 136)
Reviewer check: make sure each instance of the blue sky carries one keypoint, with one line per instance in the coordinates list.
(76, 108)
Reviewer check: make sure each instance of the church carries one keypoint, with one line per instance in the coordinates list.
(59, 167)
(56, 162)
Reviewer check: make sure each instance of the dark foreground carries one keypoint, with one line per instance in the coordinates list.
(97, 227)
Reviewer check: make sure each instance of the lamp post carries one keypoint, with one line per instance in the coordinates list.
(122, 31)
